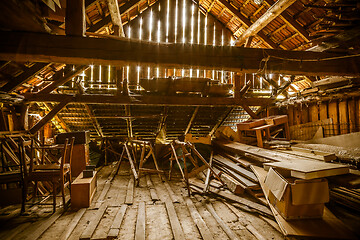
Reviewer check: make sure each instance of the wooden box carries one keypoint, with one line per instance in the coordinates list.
(83, 191)
(80, 137)
(80, 158)
(297, 198)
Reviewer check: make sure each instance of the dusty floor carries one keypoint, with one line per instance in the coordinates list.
(157, 220)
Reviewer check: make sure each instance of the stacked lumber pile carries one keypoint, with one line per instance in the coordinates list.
(349, 198)
(237, 178)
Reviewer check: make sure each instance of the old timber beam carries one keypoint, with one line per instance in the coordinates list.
(147, 100)
(37, 47)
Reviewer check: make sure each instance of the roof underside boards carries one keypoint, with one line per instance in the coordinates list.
(223, 21)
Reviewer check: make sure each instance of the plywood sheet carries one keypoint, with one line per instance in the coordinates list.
(307, 169)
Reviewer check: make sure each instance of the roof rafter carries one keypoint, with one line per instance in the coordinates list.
(247, 22)
(273, 12)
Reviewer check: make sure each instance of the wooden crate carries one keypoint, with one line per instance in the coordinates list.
(83, 191)
(80, 158)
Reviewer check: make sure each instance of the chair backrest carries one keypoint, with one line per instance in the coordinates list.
(70, 151)
(64, 154)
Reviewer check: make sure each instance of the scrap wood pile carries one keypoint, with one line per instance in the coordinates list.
(296, 189)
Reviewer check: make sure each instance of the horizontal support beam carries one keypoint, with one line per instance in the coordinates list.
(147, 100)
(37, 47)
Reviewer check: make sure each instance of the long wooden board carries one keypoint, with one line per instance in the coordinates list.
(129, 199)
(230, 164)
(255, 206)
(140, 222)
(221, 222)
(300, 167)
(44, 225)
(307, 169)
(174, 221)
(90, 229)
(115, 227)
(70, 228)
(329, 227)
(200, 223)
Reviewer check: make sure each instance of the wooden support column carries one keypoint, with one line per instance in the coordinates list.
(119, 80)
(128, 121)
(274, 11)
(334, 115)
(95, 122)
(49, 116)
(237, 86)
(75, 23)
(191, 120)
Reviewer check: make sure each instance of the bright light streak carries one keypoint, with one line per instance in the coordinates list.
(176, 18)
(150, 24)
(100, 68)
(158, 32)
(192, 23)
(167, 20)
(184, 20)
(140, 28)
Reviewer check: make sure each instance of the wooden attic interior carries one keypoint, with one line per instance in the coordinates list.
(187, 110)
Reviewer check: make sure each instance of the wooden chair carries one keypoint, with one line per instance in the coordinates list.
(58, 173)
(13, 174)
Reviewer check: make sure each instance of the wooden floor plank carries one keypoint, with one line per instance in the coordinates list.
(70, 228)
(174, 221)
(140, 222)
(243, 201)
(11, 235)
(174, 198)
(200, 223)
(244, 222)
(222, 224)
(130, 192)
(115, 227)
(152, 190)
(44, 225)
(90, 229)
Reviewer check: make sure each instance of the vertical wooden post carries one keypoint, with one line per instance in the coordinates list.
(334, 115)
(239, 78)
(75, 18)
(119, 79)
(106, 151)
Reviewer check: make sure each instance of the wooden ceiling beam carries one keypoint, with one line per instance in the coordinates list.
(147, 100)
(107, 20)
(58, 118)
(116, 17)
(122, 51)
(245, 21)
(273, 12)
(50, 115)
(291, 22)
